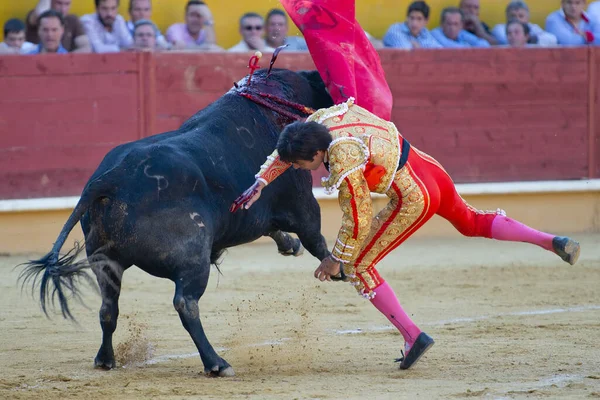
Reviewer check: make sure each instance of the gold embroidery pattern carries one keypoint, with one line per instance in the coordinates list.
(380, 137)
(387, 152)
(346, 155)
(272, 168)
(347, 246)
(425, 215)
(386, 228)
(335, 111)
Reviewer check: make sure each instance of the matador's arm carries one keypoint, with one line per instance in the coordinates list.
(272, 168)
(268, 172)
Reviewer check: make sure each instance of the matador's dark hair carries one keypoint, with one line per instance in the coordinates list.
(302, 140)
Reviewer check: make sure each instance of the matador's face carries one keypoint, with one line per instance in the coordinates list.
(310, 165)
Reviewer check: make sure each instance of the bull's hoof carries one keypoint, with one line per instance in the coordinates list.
(105, 365)
(226, 372)
(220, 372)
(297, 249)
(105, 359)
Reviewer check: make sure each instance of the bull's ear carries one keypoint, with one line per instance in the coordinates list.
(313, 77)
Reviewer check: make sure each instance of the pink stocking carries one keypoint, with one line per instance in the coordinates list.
(504, 228)
(387, 303)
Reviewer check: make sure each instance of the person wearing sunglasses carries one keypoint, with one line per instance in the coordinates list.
(252, 29)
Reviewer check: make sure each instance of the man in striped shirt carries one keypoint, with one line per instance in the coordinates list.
(413, 32)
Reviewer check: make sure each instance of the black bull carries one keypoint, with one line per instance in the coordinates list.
(162, 204)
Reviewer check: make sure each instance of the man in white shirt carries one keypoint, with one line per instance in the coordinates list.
(252, 28)
(106, 29)
(518, 10)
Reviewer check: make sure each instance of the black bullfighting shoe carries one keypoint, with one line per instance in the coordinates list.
(420, 347)
(566, 248)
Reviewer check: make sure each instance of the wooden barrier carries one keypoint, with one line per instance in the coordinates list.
(59, 115)
(500, 115)
(486, 115)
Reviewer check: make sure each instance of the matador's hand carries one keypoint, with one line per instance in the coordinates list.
(248, 198)
(328, 269)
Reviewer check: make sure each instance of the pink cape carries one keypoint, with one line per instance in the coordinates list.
(342, 53)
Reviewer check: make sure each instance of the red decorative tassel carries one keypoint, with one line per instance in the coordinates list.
(253, 65)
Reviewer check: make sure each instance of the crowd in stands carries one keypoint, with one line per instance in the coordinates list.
(50, 28)
(461, 27)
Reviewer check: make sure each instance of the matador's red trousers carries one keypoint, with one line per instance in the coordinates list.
(421, 189)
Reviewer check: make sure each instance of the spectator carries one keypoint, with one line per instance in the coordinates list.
(251, 29)
(518, 10)
(473, 24)
(412, 33)
(144, 35)
(106, 29)
(593, 11)
(14, 38)
(517, 33)
(142, 10)
(197, 32)
(572, 26)
(74, 39)
(51, 28)
(451, 32)
(277, 32)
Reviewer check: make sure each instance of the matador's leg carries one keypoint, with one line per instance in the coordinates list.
(411, 205)
(409, 208)
(490, 224)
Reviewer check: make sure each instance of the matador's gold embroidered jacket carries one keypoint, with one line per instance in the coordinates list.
(360, 140)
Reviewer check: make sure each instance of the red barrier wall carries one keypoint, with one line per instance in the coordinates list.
(59, 115)
(501, 115)
(487, 115)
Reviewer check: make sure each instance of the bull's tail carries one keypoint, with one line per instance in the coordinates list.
(62, 271)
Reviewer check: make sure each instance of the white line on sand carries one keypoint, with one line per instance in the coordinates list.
(526, 388)
(168, 357)
(590, 307)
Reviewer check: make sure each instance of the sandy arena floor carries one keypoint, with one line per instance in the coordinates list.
(510, 322)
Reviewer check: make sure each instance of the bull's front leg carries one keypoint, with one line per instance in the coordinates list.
(315, 243)
(308, 227)
(190, 284)
(309, 232)
(286, 244)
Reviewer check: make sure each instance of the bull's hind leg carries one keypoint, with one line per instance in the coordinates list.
(109, 275)
(286, 244)
(190, 284)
